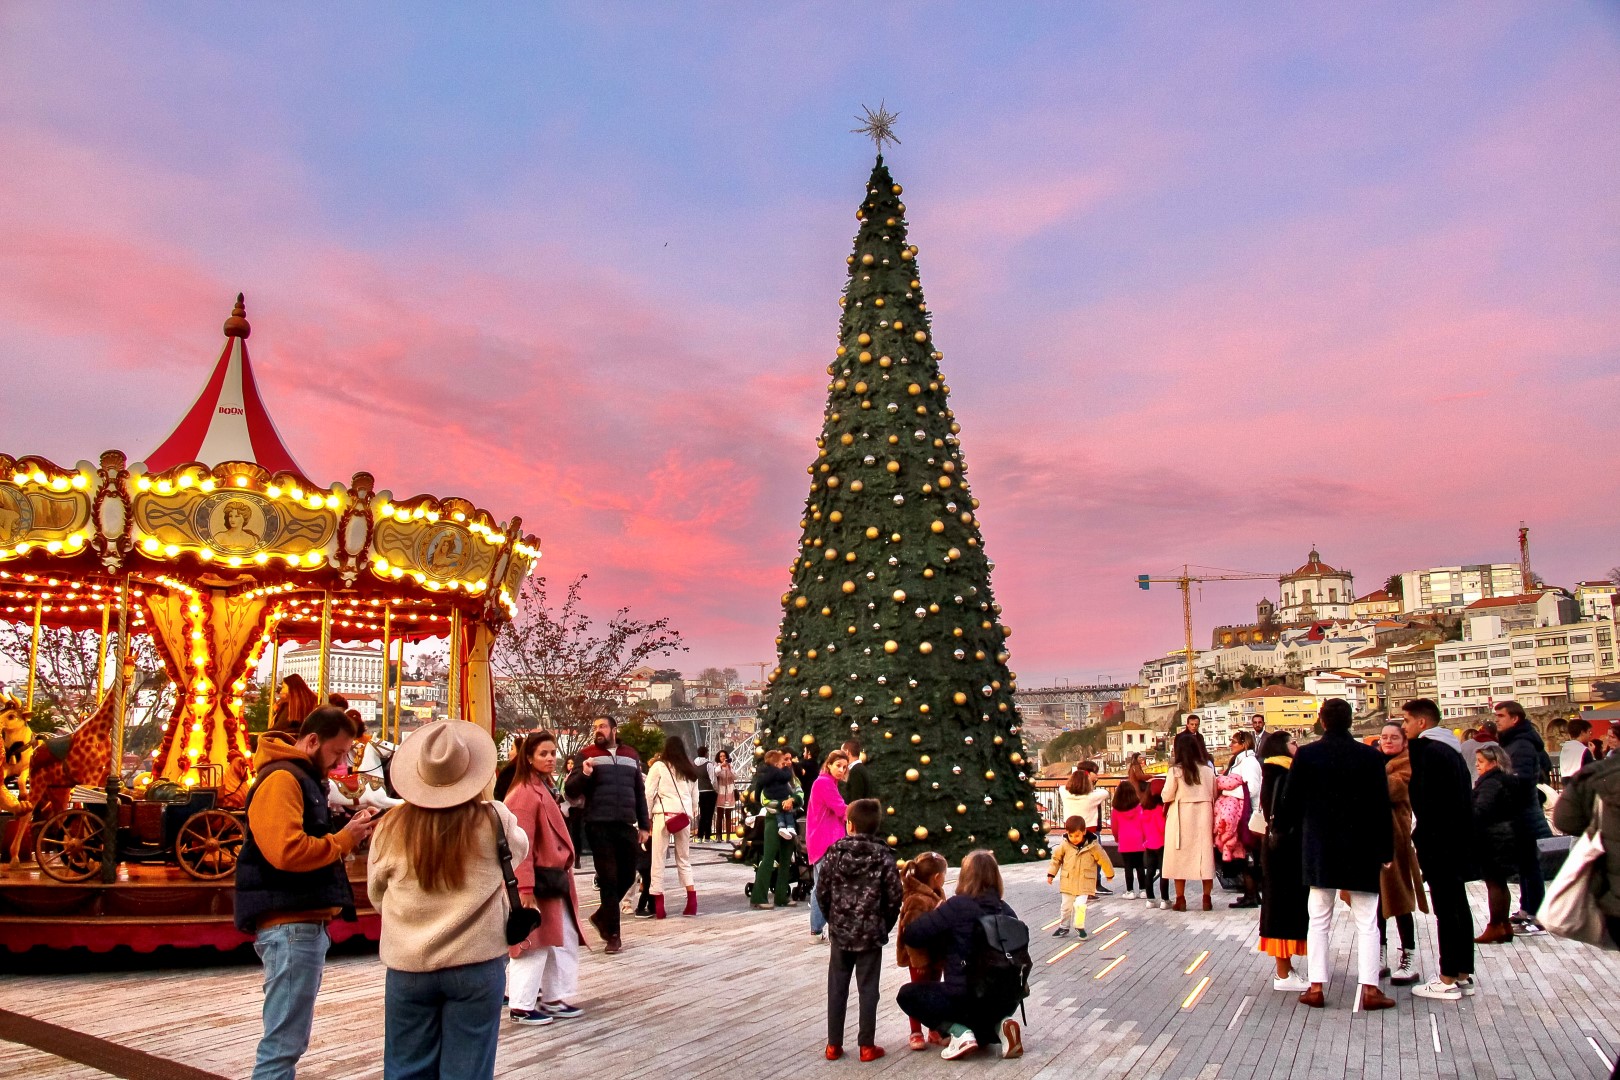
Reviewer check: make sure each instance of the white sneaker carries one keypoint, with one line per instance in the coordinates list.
(1295, 983)
(1468, 985)
(786, 834)
(1164, 905)
(961, 1044)
(1152, 903)
(1435, 990)
(1406, 971)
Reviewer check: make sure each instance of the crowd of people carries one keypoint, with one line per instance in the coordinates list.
(1392, 830)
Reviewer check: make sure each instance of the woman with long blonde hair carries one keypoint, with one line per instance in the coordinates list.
(435, 877)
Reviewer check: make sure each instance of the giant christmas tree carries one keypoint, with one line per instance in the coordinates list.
(891, 633)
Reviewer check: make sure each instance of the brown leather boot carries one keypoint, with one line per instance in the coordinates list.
(1374, 998)
(1313, 997)
(1495, 934)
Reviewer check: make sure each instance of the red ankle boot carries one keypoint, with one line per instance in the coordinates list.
(658, 905)
(691, 902)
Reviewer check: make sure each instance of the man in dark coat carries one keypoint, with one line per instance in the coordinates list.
(609, 781)
(1532, 766)
(1443, 833)
(1338, 797)
(858, 781)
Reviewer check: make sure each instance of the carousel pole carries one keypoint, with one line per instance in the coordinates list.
(388, 643)
(399, 690)
(33, 652)
(101, 666)
(275, 666)
(115, 767)
(454, 678)
(326, 645)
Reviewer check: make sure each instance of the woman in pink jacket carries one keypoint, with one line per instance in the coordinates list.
(824, 826)
(1129, 837)
(544, 969)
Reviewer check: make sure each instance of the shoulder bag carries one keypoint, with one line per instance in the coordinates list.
(1570, 909)
(675, 822)
(520, 921)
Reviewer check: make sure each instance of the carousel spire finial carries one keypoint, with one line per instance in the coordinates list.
(237, 324)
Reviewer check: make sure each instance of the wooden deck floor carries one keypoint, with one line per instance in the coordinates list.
(740, 993)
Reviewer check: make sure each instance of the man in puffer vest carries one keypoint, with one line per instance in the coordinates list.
(290, 878)
(610, 781)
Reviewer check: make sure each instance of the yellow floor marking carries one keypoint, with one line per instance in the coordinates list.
(1112, 964)
(1065, 952)
(1105, 945)
(1198, 991)
(1197, 963)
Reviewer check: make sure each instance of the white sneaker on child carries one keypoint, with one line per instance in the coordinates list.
(961, 1044)
(786, 833)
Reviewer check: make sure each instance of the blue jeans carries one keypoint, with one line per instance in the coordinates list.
(818, 921)
(443, 1025)
(294, 956)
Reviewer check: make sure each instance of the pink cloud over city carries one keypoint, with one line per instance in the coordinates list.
(1209, 290)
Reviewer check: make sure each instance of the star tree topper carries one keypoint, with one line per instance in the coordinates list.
(879, 126)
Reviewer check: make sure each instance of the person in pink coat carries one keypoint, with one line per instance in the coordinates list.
(824, 826)
(544, 969)
(1129, 837)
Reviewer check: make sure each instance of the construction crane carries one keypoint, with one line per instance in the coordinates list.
(1185, 582)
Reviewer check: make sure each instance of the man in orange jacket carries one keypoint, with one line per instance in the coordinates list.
(291, 880)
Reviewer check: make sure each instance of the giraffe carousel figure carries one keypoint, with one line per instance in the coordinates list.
(220, 549)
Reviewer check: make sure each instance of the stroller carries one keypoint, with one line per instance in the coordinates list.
(752, 847)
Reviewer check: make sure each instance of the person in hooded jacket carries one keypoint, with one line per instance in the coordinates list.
(858, 889)
(1531, 766)
(951, 1007)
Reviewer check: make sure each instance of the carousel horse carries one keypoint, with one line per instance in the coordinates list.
(62, 762)
(17, 740)
(366, 784)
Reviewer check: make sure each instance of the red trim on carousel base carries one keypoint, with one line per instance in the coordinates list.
(103, 934)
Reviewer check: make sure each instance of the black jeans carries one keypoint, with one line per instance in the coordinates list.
(1155, 869)
(1405, 925)
(936, 1007)
(1532, 889)
(1453, 924)
(1135, 870)
(866, 966)
(705, 821)
(615, 847)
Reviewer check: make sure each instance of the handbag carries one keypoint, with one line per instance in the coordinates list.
(1570, 909)
(674, 823)
(520, 921)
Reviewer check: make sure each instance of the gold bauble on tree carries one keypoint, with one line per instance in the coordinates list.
(920, 832)
(808, 740)
(1013, 835)
(913, 775)
(891, 646)
(826, 692)
(915, 738)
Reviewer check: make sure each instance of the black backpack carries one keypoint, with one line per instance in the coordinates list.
(1001, 963)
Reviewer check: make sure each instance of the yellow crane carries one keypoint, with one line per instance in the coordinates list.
(1184, 581)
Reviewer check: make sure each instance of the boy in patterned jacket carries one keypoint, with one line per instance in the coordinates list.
(858, 887)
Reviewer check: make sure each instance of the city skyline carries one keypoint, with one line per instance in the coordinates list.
(1210, 290)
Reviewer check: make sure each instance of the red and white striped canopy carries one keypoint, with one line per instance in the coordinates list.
(228, 421)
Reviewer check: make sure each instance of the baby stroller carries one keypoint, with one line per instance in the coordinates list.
(752, 847)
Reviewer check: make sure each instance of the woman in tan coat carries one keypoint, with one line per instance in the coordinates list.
(1189, 833)
(1400, 886)
(544, 972)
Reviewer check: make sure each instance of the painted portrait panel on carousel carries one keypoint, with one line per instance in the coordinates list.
(16, 514)
(442, 552)
(237, 523)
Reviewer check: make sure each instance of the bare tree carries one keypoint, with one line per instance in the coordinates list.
(65, 682)
(554, 668)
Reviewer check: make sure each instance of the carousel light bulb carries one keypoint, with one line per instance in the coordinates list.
(272, 491)
(171, 550)
(188, 480)
(150, 544)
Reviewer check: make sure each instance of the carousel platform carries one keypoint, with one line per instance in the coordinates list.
(146, 907)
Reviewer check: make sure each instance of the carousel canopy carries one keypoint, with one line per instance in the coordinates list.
(228, 421)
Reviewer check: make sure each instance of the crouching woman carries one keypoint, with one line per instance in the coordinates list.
(948, 933)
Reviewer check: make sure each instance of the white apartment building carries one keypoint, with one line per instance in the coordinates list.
(1217, 721)
(1558, 665)
(1303, 654)
(1452, 588)
(1496, 616)
(1471, 676)
(1164, 679)
(1597, 600)
(1359, 690)
(355, 671)
(1231, 661)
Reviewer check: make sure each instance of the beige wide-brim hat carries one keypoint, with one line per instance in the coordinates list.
(443, 764)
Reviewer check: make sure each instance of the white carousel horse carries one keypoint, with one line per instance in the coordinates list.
(366, 784)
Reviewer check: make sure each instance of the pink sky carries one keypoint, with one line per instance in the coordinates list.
(1211, 288)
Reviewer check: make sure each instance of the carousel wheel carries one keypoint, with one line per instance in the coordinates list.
(209, 844)
(70, 846)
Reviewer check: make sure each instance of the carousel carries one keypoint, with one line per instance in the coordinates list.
(219, 548)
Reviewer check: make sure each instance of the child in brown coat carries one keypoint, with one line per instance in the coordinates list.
(1077, 860)
(923, 882)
